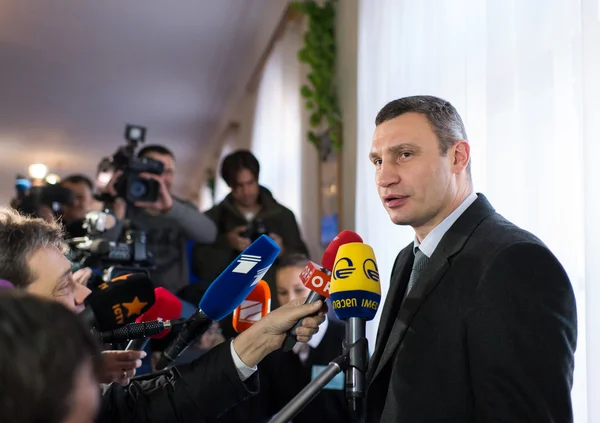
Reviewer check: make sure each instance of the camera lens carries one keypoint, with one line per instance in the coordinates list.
(137, 189)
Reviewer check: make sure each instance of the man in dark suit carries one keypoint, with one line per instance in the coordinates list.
(479, 323)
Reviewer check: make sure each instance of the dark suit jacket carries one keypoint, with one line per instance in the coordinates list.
(488, 332)
(192, 393)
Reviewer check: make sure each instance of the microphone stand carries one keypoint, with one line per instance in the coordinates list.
(310, 391)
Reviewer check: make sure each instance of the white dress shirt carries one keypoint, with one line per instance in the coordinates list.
(434, 237)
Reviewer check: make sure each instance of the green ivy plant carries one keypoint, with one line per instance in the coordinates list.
(319, 52)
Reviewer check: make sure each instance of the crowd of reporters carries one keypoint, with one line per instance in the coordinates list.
(188, 249)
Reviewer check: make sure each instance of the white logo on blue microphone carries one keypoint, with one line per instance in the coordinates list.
(246, 263)
(260, 274)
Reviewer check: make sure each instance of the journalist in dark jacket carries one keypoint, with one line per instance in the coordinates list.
(212, 384)
(32, 260)
(248, 209)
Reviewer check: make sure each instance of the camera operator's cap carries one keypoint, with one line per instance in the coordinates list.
(6, 284)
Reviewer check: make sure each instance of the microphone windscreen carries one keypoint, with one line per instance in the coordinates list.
(234, 284)
(315, 279)
(355, 288)
(121, 300)
(330, 252)
(6, 284)
(256, 305)
(166, 307)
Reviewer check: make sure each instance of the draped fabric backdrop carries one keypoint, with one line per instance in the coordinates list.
(229, 146)
(523, 75)
(288, 162)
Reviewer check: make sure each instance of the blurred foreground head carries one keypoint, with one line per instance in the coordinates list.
(48, 362)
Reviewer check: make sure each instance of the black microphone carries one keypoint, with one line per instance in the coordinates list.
(118, 302)
(191, 331)
(139, 330)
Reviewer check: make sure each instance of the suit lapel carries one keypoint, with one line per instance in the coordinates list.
(437, 266)
(400, 273)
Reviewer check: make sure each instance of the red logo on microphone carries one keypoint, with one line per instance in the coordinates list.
(315, 279)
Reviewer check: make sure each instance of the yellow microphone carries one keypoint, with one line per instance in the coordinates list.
(355, 289)
(355, 295)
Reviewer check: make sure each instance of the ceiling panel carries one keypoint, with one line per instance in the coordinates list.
(74, 72)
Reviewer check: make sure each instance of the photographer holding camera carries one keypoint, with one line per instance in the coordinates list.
(73, 214)
(168, 222)
(246, 213)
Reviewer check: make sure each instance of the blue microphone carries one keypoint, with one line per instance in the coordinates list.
(224, 295)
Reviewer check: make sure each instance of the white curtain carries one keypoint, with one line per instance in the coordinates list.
(287, 162)
(221, 188)
(277, 134)
(206, 201)
(522, 73)
(228, 145)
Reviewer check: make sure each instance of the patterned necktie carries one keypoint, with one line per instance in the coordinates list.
(418, 266)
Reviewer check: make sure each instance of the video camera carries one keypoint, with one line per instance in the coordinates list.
(30, 198)
(131, 186)
(128, 254)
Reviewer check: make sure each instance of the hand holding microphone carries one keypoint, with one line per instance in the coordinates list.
(120, 366)
(228, 291)
(222, 297)
(316, 278)
(268, 334)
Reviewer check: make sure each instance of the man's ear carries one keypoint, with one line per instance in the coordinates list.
(461, 154)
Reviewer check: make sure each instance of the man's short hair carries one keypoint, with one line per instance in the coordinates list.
(237, 161)
(78, 179)
(43, 346)
(292, 260)
(20, 237)
(157, 149)
(442, 116)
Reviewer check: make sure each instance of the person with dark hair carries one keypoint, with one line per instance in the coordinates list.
(73, 214)
(49, 363)
(480, 321)
(169, 223)
(31, 260)
(248, 211)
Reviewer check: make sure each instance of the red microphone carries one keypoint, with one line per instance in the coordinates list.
(166, 307)
(256, 305)
(316, 278)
